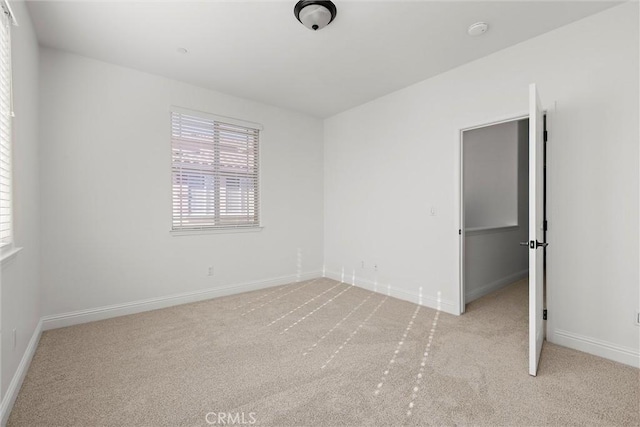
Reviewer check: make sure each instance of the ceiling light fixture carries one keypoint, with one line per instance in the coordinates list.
(477, 29)
(315, 14)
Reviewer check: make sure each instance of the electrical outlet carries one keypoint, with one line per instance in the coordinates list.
(14, 339)
(375, 267)
(210, 271)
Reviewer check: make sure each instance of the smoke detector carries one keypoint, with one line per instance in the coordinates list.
(477, 29)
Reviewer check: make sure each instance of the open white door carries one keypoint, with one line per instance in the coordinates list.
(536, 218)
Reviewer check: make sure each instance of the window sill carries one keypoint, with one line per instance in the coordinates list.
(8, 254)
(488, 230)
(216, 231)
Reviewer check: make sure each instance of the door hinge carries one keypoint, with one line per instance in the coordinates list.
(545, 225)
(544, 314)
(460, 231)
(546, 136)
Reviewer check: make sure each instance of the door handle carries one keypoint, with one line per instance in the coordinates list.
(534, 244)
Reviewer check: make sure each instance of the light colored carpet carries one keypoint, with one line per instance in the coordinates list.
(316, 353)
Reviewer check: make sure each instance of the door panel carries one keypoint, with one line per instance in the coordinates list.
(536, 237)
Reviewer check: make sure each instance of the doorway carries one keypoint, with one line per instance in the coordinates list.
(494, 207)
(497, 212)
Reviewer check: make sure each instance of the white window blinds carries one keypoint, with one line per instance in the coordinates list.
(6, 229)
(215, 172)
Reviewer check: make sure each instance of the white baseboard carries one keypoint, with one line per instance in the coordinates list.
(626, 355)
(425, 300)
(116, 310)
(16, 382)
(494, 286)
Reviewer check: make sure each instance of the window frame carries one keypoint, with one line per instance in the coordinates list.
(220, 229)
(8, 249)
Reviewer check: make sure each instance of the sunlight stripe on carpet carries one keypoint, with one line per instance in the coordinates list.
(302, 305)
(314, 310)
(279, 296)
(279, 288)
(423, 362)
(310, 349)
(355, 331)
(397, 350)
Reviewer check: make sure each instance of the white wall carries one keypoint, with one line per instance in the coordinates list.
(389, 161)
(106, 190)
(491, 176)
(20, 291)
(493, 257)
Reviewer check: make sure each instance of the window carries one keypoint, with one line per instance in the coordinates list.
(6, 114)
(215, 179)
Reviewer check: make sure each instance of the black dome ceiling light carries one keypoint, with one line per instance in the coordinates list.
(315, 14)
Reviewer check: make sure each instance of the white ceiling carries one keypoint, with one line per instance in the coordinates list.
(258, 50)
